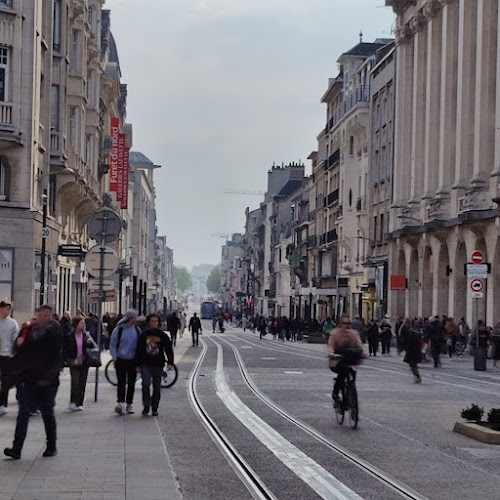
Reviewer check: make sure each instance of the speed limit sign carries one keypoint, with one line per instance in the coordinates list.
(45, 232)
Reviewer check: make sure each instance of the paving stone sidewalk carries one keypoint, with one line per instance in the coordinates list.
(101, 455)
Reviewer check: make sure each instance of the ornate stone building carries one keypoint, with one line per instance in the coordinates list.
(447, 156)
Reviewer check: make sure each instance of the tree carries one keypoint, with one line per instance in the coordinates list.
(213, 280)
(183, 277)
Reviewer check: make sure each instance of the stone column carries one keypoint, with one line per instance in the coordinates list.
(418, 24)
(485, 88)
(403, 116)
(448, 109)
(466, 72)
(432, 13)
(496, 165)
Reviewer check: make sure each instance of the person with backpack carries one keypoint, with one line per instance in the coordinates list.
(123, 347)
(153, 346)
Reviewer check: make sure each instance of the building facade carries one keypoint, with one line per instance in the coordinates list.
(447, 156)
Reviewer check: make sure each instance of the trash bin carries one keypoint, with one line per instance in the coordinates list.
(480, 358)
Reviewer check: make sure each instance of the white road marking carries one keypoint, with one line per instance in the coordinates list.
(294, 373)
(270, 359)
(246, 347)
(319, 479)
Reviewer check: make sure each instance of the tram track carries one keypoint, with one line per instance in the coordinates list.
(257, 489)
(390, 482)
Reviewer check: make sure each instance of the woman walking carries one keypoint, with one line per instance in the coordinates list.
(413, 354)
(75, 356)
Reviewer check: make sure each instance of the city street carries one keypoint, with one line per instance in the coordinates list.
(269, 402)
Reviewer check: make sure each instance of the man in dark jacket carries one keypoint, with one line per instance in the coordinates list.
(173, 325)
(39, 361)
(195, 327)
(434, 331)
(153, 347)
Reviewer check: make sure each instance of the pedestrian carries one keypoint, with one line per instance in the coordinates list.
(262, 327)
(173, 325)
(385, 336)
(221, 323)
(38, 361)
(413, 347)
(464, 331)
(75, 356)
(65, 323)
(402, 334)
(122, 347)
(452, 334)
(244, 322)
(9, 331)
(182, 319)
(373, 337)
(328, 326)
(434, 332)
(153, 348)
(495, 344)
(195, 328)
(214, 322)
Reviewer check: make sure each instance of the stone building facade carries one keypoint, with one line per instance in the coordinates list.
(447, 156)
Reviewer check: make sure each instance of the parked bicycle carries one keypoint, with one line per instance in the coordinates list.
(168, 378)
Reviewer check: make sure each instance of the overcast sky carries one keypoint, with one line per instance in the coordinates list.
(218, 90)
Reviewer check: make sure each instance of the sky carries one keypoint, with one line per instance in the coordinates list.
(218, 90)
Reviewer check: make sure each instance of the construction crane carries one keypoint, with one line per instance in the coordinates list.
(244, 191)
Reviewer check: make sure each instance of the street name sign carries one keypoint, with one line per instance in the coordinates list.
(477, 271)
(107, 285)
(70, 250)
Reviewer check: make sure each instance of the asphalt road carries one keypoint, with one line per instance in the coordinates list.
(405, 431)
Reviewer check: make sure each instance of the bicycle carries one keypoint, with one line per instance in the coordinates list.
(347, 399)
(168, 378)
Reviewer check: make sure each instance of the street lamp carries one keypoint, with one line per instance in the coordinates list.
(45, 231)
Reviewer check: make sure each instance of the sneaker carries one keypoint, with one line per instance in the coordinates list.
(50, 452)
(154, 413)
(145, 411)
(119, 408)
(79, 408)
(3, 410)
(129, 410)
(12, 453)
(72, 407)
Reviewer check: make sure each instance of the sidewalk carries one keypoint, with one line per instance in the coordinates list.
(101, 455)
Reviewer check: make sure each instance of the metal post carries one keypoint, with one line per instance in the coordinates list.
(101, 299)
(42, 268)
(120, 288)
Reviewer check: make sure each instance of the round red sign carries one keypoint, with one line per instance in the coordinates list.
(476, 285)
(477, 257)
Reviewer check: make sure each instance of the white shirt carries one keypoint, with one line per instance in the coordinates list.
(8, 334)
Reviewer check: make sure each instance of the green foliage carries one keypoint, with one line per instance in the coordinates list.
(494, 416)
(183, 278)
(213, 280)
(473, 413)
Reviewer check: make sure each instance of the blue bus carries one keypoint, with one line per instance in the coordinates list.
(208, 310)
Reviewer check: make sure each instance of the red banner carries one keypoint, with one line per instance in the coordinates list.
(113, 162)
(121, 152)
(124, 201)
(398, 283)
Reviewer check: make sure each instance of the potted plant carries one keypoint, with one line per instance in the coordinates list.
(474, 413)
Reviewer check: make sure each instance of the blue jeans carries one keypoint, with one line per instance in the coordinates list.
(151, 374)
(34, 397)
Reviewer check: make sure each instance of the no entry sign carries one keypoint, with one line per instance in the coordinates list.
(476, 257)
(476, 285)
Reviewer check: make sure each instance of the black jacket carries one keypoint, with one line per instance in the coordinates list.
(69, 350)
(153, 346)
(173, 323)
(195, 324)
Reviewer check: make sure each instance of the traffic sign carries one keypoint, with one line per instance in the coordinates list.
(45, 232)
(105, 224)
(109, 296)
(477, 295)
(70, 250)
(476, 285)
(107, 285)
(477, 271)
(476, 257)
(93, 261)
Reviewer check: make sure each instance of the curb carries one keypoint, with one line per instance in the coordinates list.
(477, 432)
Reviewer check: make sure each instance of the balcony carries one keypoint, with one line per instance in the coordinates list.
(57, 143)
(5, 112)
(361, 204)
(359, 95)
(332, 236)
(333, 197)
(333, 159)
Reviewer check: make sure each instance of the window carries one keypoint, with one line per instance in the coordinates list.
(375, 228)
(54, 108)
(4, 74)
(6, 3)
(351, 145)
(89, 151)
(382, 227)
(92, 21)
(91, 100)
(73, 126)
(74, 58)
(4, 177)
(56, 37)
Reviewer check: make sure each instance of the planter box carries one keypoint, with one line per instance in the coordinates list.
(477, 432)
(315, 338)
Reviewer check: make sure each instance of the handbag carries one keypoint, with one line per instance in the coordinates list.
(93, 354)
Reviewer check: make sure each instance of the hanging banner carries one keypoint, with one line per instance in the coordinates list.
(124, 200)
(121, 153)
(113, 161)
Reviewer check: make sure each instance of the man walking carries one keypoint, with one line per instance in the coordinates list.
(123, 346)
(38, 362)
(153, 346)
(195, 327)
(8, 334)
(173, 325)
(434, 331)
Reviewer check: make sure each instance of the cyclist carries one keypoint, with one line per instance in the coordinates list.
(344, 350)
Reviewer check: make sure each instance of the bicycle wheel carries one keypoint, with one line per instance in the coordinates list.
(352, 400)
(169, 378)
(338, 406)
(110, 373)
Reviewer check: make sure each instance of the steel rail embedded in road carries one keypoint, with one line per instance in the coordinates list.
(248, 477)
(397, 486)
